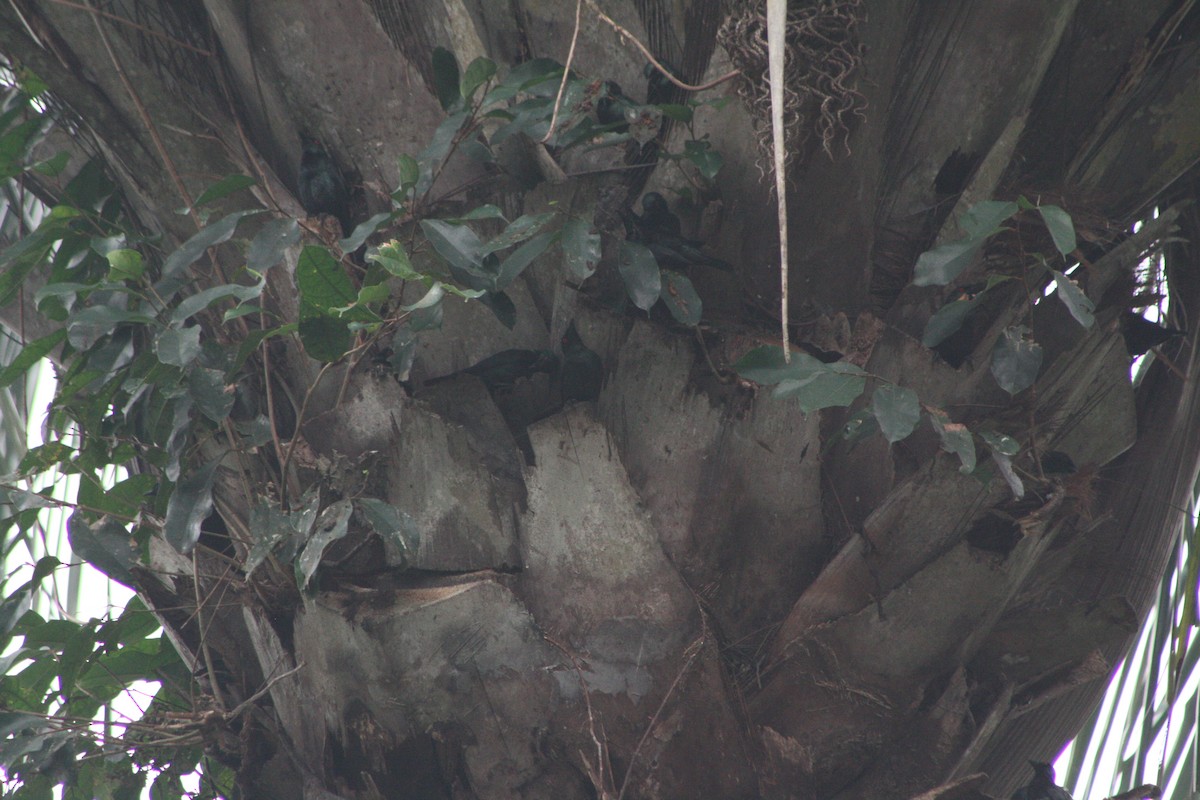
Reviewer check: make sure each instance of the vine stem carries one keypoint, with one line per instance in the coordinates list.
(562, 85)
(776, 25)
(625, 34)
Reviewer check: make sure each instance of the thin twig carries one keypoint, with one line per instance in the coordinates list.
(595, 773)
(266, 688)
(692, 650)
(625, 34)
(208, 662)
(136, 26)
(562, 85)
(145, 116)
(287, 458)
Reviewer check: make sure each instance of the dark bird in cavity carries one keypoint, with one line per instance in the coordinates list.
(322, 186)
(582, 373)
(1141, 334)
(1042, 786)
(611, 105)
(658, 228)
(500, 371)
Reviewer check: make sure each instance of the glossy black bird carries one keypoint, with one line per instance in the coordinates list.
(500, 371)
(611, 104)
(659, 88)
(1056, 462)
(1042, 786)
(322, 185)
(658, 217)
(582, 370)
(1141, 334)
(658, 229)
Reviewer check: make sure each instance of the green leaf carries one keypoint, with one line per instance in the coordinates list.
(949, 318)
(173, 277)
(479, 72)
(52, 167)
(766, 365)
(439, 148)
(31, 354)
(945, 262)
(502, 306)
(955, 439)
(680, 298)
(983, 219)
(223, 188)
(189, 506)
(362, 231)
(424, 319)
(208, 388)
(178, 347)
(325, 338)
(458, 244)
(707, 160)
(85, 328)
(1078, 303)
(528, 74)
(1010, 475)
(393, 525)
(897, 409)
(1000, 443)
(108, 547)
(268, 526)
(124, 264)
(485, 211)
(581, 248)
(824, 387)
(322, 282)
(639, 270)
(391, 257)
(194, 304)
(1016, 360)
(947, 321)
(445, 78)
(1062, 229)
(271, 242)
(518, 230)
(18, 260)
(122, 499)
(410, 173)
(331, 526)
(516, 262)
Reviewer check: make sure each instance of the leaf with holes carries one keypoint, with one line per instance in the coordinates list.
(331, 526)
(639, 270)
(394, 526)
(1016, 360)
(1000, 442)
(955, 439)
(1078, 303)
(681, 298)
